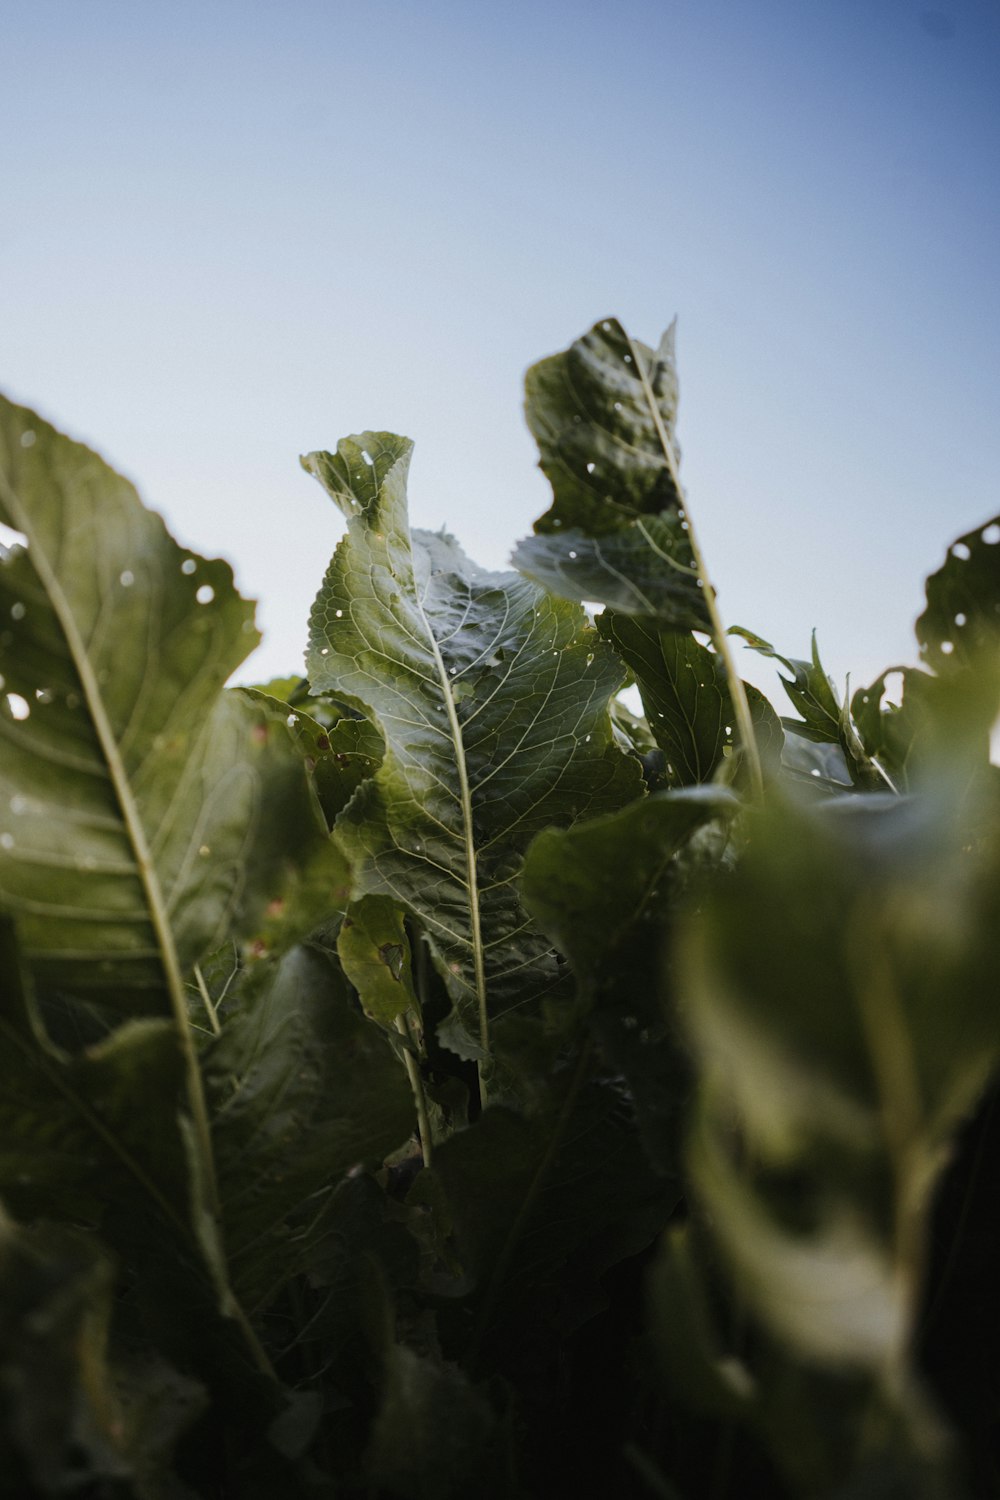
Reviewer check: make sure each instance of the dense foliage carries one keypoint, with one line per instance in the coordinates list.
(433, 1077)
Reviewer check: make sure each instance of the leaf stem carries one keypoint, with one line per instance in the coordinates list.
(417, 1088)
(737, 692)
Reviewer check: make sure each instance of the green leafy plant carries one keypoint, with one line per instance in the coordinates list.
(434, 1076)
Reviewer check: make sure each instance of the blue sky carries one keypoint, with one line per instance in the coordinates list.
(230, 233)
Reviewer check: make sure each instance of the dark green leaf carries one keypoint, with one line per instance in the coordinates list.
(685, 694)
(603, 414)
(302, 1090)
(961, 624)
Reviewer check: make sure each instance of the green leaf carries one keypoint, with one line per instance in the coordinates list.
(811, 691)
(596, 887)
(375, 953)
(79, 1132)
(302, 1089)
(833, 1081)
(492, 699)
(686, 697)
(145, 814)
(607, 893)
(603, 415)
(961, 625)
(435, 1435)
(64, 1427)
(542, 1207)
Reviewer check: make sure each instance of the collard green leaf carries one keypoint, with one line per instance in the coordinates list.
(492, 699)
(603, 414)
(144, 812)
(301, 1090)
(685, 693)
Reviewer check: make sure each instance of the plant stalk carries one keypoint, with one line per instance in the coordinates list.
(737, 691)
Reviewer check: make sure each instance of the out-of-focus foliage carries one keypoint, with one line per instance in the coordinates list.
(432, 1076)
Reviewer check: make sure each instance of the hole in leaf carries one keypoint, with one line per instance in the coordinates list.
(43, 695)
(17, 611)
(606, 327)
(126, 579)
(572, 554)
(959, 619)
(947, 647)
(189, 566)
(991, 535)
(19, 707)
(11, 538)
(591, 467)
(339, 614)
(205, 594)
(961, 551)
(28, 439)
(618, 406)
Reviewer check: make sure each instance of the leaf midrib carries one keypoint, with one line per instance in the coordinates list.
(465, 802)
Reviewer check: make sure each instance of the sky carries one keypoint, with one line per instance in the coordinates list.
(231, 233)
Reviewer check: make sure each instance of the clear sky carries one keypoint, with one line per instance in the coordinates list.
(232, 232)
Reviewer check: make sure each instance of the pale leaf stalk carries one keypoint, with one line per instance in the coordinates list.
(737, 692)
(417, 1087)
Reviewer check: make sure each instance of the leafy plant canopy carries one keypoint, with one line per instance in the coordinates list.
(431, 1075)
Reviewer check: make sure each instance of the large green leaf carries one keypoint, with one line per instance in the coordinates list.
(492, 699)
(145, 813)
(603, 414)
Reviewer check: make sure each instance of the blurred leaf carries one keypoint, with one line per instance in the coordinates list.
(493, 702)
(603, 414)
(66, 1425)
(834, 1076)
(435, 1435)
